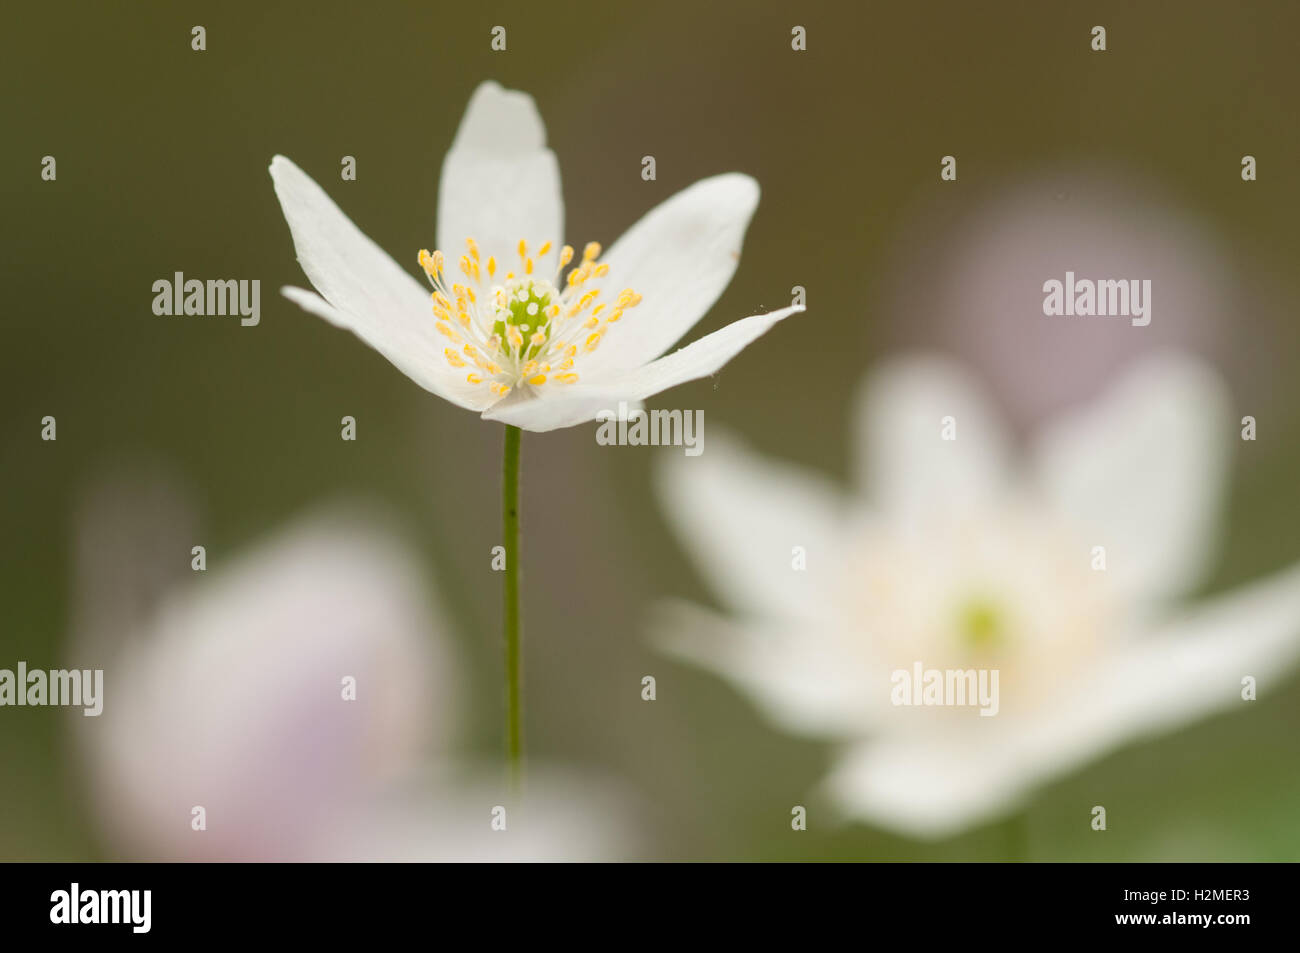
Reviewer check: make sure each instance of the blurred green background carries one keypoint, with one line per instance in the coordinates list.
(162, 155)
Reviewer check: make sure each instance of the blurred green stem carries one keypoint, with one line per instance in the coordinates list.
(1018, 837)
(510, 598)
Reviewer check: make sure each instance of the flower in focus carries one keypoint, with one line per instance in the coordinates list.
(231, 694)
(503, 328)
(952, 557)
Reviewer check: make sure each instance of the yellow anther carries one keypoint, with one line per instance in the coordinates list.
(599, 308)
(523, 248)
(473, 378)
(538, 338)
(492, 266)
(553, 311)
(473, 299)
(569, 378)
(592, 340)
(514, 337)
(453, 358)
(530, 368)
(537, 381)
(500, 389)
(441, 298)
(571, 351)
(546, 246)
(602, 270)
(463, 318)
(566, 363)
(615, 315)
(473, 248)
(445, 330)
(528, 266)
(566, 255)
(591, 322)
(466, 267)
(591, 252)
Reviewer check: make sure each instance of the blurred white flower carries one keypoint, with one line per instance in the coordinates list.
(954, 558)
(229, 695)
(507, 332)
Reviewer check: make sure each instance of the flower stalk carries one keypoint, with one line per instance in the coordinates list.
(510, 602)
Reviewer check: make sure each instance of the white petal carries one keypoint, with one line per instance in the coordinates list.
(907, 468)
(1190, 668)
(557, 407)
(435, 817)
(571, 404)
(679, 257)
(698, 359)
(367, 292)
(499, 181)
(1142, 471)
(926, 789)
(740, 517)
(936, 786)
(792, 673)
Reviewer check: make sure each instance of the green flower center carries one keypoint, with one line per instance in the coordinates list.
(526, 312)
(981, 624)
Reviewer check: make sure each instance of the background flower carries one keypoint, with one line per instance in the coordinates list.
(953, 558)
(226, 691)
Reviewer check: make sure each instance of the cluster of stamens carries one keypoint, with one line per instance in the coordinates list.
(524, 329)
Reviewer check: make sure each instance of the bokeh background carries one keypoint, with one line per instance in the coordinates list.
(162, 155)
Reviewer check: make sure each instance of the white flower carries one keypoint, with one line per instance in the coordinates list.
(506, 331)
(953, 558)
(229, 694)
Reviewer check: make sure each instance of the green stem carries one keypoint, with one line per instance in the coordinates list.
(510, 597)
